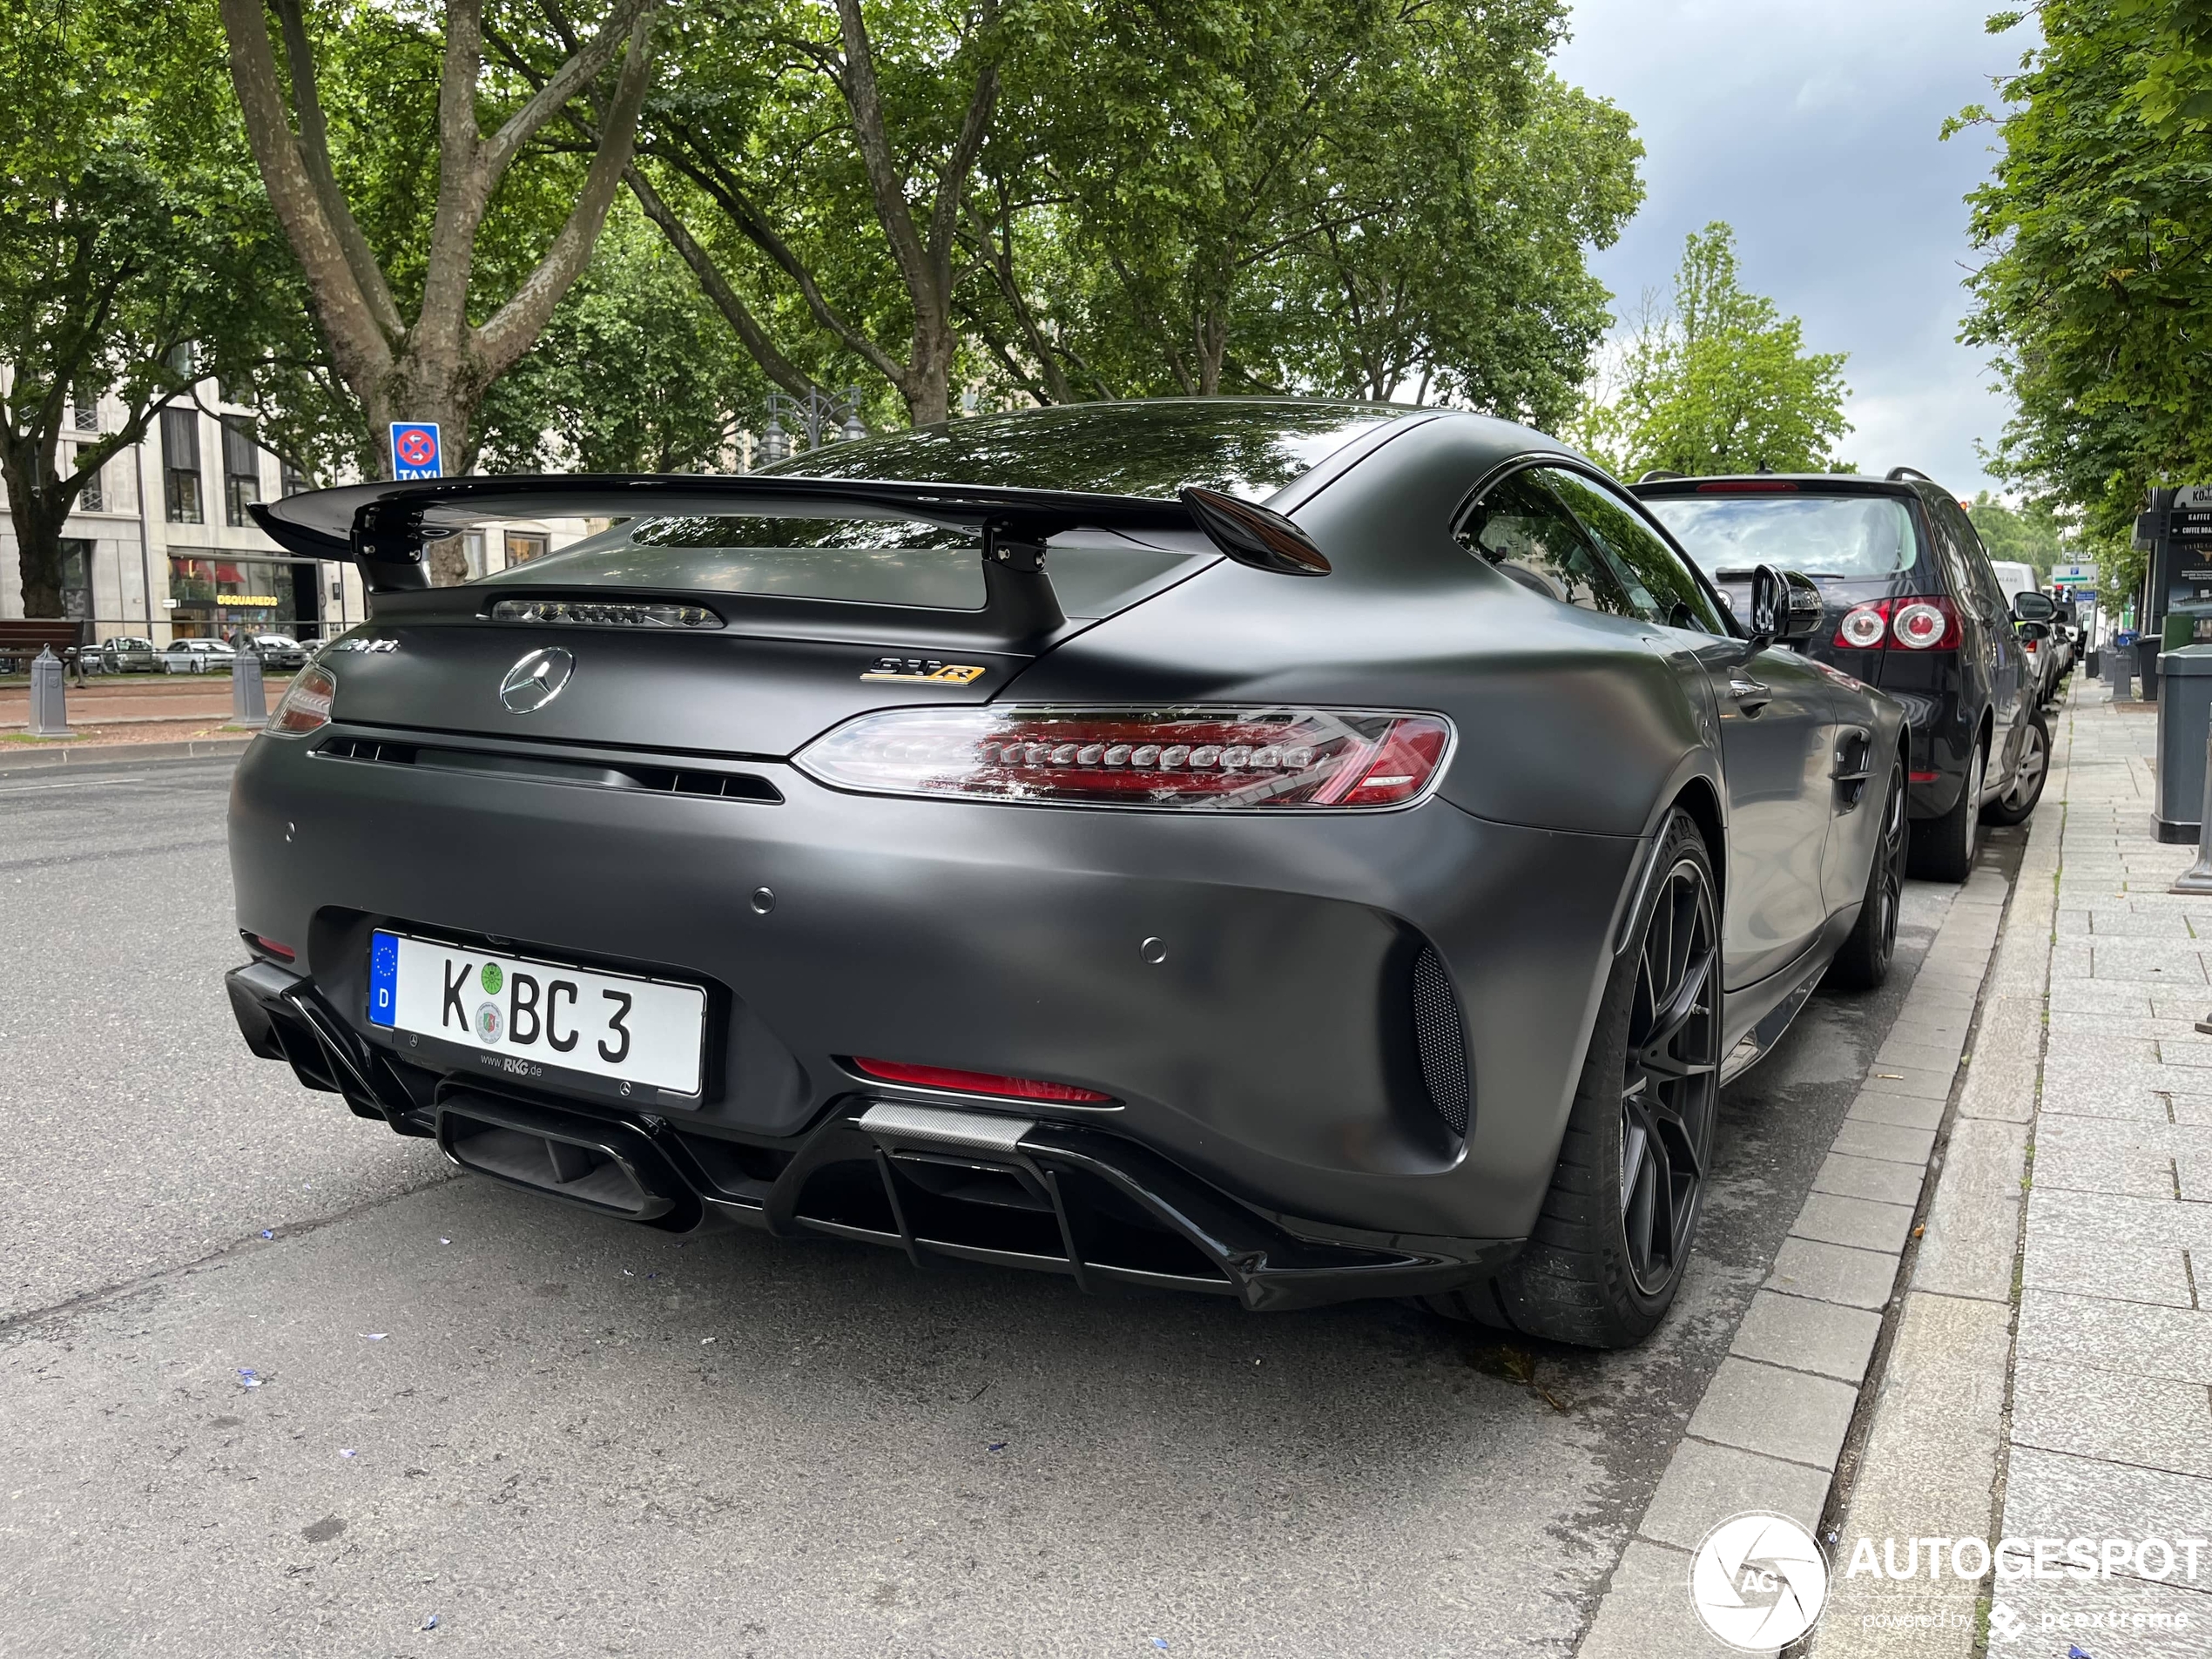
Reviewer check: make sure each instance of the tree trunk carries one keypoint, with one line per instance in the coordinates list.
(38, 515)
(1213, 345)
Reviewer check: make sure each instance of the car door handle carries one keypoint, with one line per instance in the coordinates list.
(1754, 695)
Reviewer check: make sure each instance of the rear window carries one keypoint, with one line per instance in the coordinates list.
(1248, 448)
(1820, 536)
(866, 556)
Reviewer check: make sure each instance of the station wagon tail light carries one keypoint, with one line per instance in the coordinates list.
(305, 705)
(976, 1082)
(1245, 760)
(1864, 627)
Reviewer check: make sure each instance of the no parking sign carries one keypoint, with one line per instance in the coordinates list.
(414, 449)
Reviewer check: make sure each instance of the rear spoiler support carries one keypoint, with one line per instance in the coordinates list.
(386, 529)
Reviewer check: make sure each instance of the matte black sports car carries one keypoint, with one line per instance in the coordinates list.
(1288, 850)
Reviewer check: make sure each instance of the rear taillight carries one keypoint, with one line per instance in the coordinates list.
(1864, 627)
(305, 705)
(1234, 760)
(1915, 625)
(1924, 624)
(976, 1082)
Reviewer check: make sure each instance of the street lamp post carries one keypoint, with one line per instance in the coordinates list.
(817, 415)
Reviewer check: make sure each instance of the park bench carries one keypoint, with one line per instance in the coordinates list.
(22, 640)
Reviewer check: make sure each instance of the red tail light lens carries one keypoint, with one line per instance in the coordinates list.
(1222, 761)
(1864, 627)
(1916, 624)
(305, 705)
(1924, 624)
(976, 1082)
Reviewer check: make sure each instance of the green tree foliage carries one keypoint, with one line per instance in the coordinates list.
(124, 236)
(1320, 196)
(1721, 383)
(2097, 298)
(435, 229)
(637, 372)
(2029, 534)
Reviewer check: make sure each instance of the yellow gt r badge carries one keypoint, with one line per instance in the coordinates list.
(924, 671)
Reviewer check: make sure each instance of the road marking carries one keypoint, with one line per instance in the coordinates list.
(75, 783)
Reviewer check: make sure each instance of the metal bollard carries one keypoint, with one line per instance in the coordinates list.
(249, 696)
(48, 707)
(2198, 877)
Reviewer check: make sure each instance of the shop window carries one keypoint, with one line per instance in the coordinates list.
(180, 465)
(521, 549)
(242, 469)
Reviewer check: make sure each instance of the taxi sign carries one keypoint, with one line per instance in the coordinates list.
(415, 450)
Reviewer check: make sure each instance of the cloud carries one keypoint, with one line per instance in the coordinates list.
(1813, 128)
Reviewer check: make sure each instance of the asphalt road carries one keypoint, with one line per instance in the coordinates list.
(422, 1396)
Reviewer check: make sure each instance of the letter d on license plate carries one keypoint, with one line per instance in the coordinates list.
(610, 1025)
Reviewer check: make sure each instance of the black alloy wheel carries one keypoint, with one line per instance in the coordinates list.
(1863, 961)
(1670, 1078)
(1606, 1252)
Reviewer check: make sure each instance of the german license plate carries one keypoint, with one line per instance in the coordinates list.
(523, 1013)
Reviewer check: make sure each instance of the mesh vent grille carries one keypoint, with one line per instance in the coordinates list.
(1441, 1035)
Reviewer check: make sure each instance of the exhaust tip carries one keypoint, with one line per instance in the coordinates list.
(571, 1158)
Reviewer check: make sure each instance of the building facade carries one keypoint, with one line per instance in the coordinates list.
(161, 545)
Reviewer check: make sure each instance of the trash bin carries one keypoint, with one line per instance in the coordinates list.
(2184, 717)
(2147, 655)
(2120, 665)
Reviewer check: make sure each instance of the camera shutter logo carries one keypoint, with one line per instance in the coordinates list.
(1758, 1582)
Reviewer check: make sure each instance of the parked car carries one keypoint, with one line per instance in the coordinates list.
(278, 650)
(1259, 848)
(1910, 605)
(196, 656)
(127, 654)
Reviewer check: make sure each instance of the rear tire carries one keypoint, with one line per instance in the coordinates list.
(1944, 848)
(1606, 1255)
(1863, 962)
(2016, 804)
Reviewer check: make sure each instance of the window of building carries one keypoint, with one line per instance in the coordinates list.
(85, 406)
(180, 465)
(242, 469)
(293, 482)
(90, 498)
(76, 577)
(521, 549)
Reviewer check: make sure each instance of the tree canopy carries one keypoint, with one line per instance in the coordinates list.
(2096, 296)
(1722, 382)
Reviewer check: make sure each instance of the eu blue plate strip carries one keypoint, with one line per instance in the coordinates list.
(383, 979)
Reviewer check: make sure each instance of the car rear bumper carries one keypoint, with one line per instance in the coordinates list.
(1270, 1057)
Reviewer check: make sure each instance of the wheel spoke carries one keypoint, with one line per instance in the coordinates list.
(1668, 1024)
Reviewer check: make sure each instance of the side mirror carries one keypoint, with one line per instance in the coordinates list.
(2036, 631)
(1785, 607)
(2030, 606)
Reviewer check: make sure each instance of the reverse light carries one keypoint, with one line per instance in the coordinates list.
(976, 1082)
(305, 705)
(1217, 759)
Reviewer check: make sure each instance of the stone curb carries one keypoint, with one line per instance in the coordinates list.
(1931, 1459)
(127, 754)
(1777, 1416)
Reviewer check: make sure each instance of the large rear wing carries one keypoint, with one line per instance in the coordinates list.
(386, 528)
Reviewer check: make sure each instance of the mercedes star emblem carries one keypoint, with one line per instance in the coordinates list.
(537, 679)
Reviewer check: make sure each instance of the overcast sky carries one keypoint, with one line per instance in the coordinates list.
(1811, 126)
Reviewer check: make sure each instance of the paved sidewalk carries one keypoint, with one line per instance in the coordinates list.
(2048, 1375)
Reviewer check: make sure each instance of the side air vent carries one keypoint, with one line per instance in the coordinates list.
(1440, 1034)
